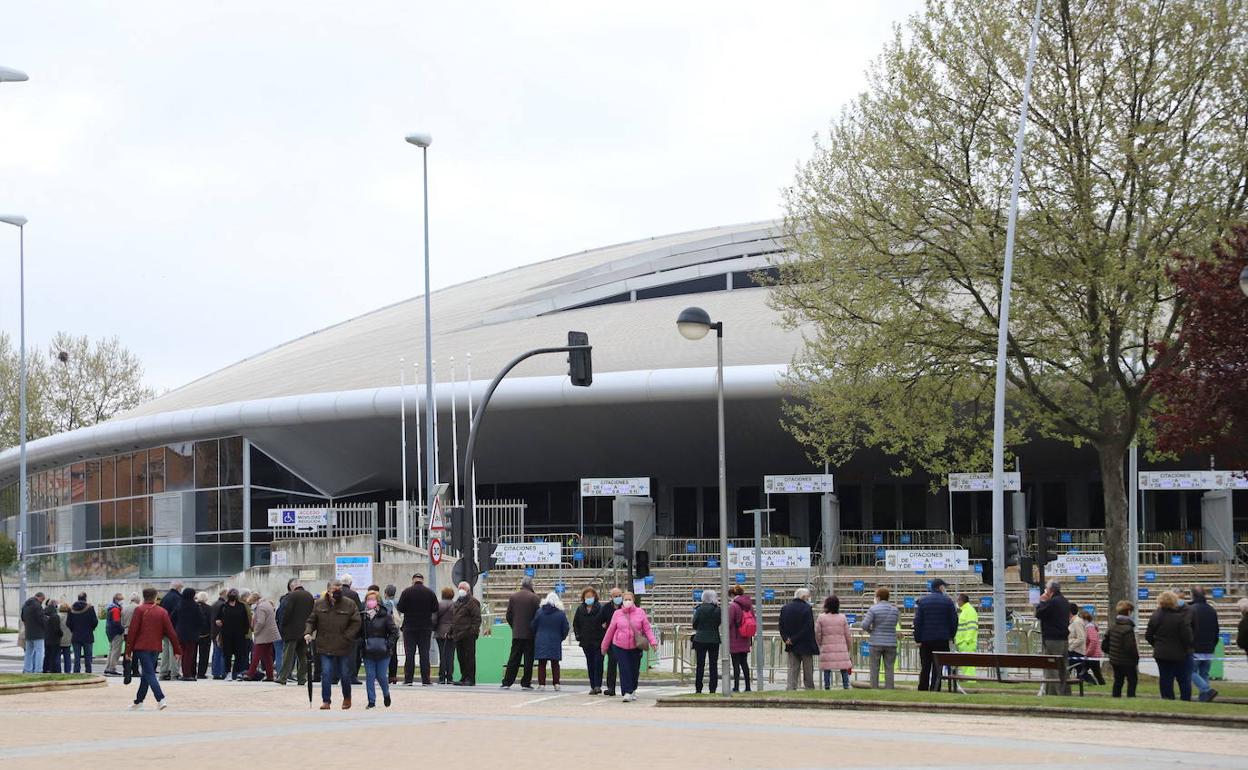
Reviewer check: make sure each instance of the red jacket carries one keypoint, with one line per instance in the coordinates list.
(149, 626)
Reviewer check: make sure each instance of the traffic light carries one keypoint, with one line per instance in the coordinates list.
(580, 363)
(1046, 538)
(1011, 550)
(485, 555)
(622, 542)
(458, 532)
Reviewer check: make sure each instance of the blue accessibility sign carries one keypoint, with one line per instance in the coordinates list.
(740, 577)
(769, 594)
(691, 547)
(1142, 593)
(578, 556)
(908, 602)
(859, 586)
(985, 602)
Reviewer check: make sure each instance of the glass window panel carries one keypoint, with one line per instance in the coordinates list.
(78, 482)
(140, 519)
(138, 474)
(93, 480)
(231, 509)
(207, 467)
(232, 461)
(125, 528)
(124, 475)
(156, 470)
(108, 520)
(92, 516)
(108, 478)
(207, 512)
(179, 467)
(267, 472)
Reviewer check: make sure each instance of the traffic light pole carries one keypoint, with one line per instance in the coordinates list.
(470, 499)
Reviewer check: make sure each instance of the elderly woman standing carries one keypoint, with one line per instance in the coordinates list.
(628, 635)
(442, 633)
(550, 627)
(264, 633)
(706, 620)
(835, 644)
(881, 624)
(1170, 633)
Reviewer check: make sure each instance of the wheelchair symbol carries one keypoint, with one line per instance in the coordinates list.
(288, 518)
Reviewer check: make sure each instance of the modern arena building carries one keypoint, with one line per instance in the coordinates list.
(318, 419)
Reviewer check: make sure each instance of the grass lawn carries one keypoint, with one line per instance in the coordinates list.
(575, 673)
(25, 678)
(1147, 688)
(1136, 705)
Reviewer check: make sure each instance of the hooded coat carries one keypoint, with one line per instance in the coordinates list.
(550, 627)
(82, 622)
(187, 619)
(832, 636)
(736, 611)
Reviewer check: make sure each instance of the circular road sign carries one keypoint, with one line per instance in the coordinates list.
(435, 551)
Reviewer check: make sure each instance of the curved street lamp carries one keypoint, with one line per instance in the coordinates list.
(9, 75)
(694, 323)
(423, 140)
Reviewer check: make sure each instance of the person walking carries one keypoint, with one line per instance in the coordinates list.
(742, 626)
(218, 654)
(115, 634)
(935, 624)
(442, 634)
(1204, 643)
(82, 622)
(1077, 643)
(1123, 650)
(465, 628)
(55, 633)
(609, 608)
(1093, 635)
(967, 637)
(521, 607)
(419, 607)
(34, 631)
(797, 632)
(264, 633)
(881, 625)
(706, 621)
(294, 622)
(1169, 631)
(377, 635)
(628, 635)
(170, 604)
(390, 601)
(836, 647)
(550, 627)
(1053, 612)
(203, 645)
(347, 580)
(335, 625)
(233, 625)
(150, 628)
(588, 628)
(187, 623)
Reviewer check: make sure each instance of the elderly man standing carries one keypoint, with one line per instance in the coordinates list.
(521, 608)
(115, 632)
(1053, 612)
(797, 631)
(168, 667)
(418, 605)
(295, 615)
(335, 625)
(935, 625)
(465, 628)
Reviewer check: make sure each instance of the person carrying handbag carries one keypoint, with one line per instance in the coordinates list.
(628, 636)
(378, 635)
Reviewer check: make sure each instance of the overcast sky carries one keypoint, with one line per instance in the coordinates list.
(207, 180)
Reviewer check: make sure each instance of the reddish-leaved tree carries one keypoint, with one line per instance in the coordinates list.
(1204, 389)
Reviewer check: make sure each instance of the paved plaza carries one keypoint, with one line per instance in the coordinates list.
(210, 724)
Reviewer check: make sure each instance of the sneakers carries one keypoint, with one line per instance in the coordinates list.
(630, 697)
(370, 706)
(136, 707)
(540, 688)
(1208, 696)
(501, 686)
(595, 691)
(556, 688)
(161, 705)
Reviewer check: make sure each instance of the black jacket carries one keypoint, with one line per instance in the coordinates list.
(935, 618)
(187, 619)
(1242, 640)
(205, 620)
(351, 594)
(52, 621)
(295, 614)
(171, 601)
(82, 621)
(214, 614)
(418, 605)
(706, 620)
(1054, 617)
(587, 625)
(1170, 633)
(34, 620)
(381, 625)
(234, 621)
(1205, 639)
(797, 627)
(1120, 644)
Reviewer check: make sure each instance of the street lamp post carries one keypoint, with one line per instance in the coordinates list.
(423, 141)
(19, 222)
(693, 324)
(8, 75)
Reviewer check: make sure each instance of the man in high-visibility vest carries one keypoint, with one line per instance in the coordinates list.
(967, 639)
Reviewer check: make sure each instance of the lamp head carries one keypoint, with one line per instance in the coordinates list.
(8, 75)
(17, 220)
(420, 139)
(1243, 281)
(693, 323)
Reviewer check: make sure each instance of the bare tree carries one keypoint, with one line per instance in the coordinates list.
(90, 382)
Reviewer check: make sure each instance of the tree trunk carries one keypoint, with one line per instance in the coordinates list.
(1113, 484)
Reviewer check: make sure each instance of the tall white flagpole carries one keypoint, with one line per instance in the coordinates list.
(454, 440)
(471, 482)
(420, 482)
(402, 510)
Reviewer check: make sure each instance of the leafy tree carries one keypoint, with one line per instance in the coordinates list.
(1205, 391)
(1137, 147)
(8, 558)
(10, 389)
(90, 382)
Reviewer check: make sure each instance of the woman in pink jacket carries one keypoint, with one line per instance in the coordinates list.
(835, 645)
(621, 639)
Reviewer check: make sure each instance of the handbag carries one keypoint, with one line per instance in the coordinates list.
(376, 647)
(640, 641)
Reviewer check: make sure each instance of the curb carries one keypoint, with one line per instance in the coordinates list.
(21, 688)
(1205, 720)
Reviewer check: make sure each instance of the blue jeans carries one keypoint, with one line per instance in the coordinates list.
(1201, 663)
(378, 670)
(827, 678)
(1170, 670)
(593, 662)
(277, 655)
(218, 662)
(82, 653)
(629, 662)
(32, 661)
(336, 667)
(147, 677)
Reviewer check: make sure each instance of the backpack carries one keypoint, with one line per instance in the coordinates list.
(748, 625)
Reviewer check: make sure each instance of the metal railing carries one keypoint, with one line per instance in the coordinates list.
(341, 520)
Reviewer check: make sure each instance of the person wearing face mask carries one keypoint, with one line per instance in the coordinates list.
(335, 625)
(442, 633)
(264, 633)
(589, 629)
(465, 628)
(628, 635)
(608, 610)
(233, 625)
(377, 634)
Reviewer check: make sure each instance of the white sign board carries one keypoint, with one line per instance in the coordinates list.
(638, 487)
(911, 560)
(358, 565)
(773, 558)
(1078, 564)
(299, 518)
(1193, 480)
(797, 485)
(982, 482)
(527, 553)
(278, 559)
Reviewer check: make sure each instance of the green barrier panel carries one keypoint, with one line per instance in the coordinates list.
(1215, 668)
(101, 642)
(493, 651)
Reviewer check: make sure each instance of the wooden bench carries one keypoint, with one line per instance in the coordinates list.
(997, 665)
